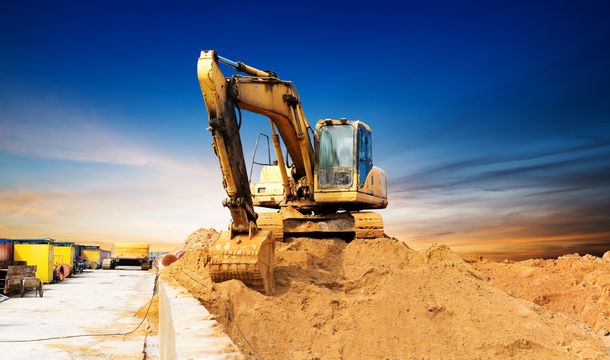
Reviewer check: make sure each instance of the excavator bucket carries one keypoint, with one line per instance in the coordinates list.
(246, 257)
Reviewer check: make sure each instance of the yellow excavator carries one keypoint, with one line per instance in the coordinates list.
(321, 192)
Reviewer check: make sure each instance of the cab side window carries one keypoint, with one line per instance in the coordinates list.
(365, 154)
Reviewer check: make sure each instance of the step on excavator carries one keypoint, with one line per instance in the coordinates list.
(320, 188)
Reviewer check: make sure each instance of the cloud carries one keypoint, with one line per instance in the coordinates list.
(520, 168)
(51, 130)
(107, 185)
(28, 203)
(83, 141)
(164, 210)
(518, 204)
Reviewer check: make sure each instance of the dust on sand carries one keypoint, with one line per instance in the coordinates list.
(379, 299)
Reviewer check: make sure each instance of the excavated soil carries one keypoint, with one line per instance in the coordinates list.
(379, 299)
(201, 238)
(578, 286)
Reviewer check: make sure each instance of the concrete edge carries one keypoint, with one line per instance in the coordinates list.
(187, 330)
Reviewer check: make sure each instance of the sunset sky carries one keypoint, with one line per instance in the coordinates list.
(491, 120)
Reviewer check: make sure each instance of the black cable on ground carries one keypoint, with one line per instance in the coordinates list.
(94, 335)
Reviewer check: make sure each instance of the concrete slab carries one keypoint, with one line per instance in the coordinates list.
(91, 303)
(188, 331)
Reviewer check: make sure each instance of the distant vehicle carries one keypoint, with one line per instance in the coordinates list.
(128, 254)
(92, 255)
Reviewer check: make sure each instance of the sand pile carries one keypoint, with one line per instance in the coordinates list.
(379, 299)
(578, 286)
(201, 238)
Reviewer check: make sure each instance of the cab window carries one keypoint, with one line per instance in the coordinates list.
(336, 156)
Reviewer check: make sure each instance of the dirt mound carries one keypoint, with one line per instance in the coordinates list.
(201, 238)
(379, 299)
(578, 286)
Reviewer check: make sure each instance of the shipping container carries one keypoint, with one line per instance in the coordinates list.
(63, 253)
(6, 259)
(37, 252)
(6, 250)
(92, 254)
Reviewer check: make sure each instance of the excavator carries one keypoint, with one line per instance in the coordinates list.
(319, 188)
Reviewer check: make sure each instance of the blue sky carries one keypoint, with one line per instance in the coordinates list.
(492, 120)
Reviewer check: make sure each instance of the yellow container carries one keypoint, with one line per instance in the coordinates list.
(63, 253)
(130, 251)
(92, 254)
(37, 252)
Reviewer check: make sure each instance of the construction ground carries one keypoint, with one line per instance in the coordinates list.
(366, 299)
(92, 303)
(380, 299)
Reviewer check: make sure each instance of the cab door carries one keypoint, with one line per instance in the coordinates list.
(365, 156)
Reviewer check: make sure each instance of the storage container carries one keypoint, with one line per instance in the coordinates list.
(92, 254)
(63, 253)
(6, 250)
(37, 252)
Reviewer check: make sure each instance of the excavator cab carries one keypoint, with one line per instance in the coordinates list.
(344, 171)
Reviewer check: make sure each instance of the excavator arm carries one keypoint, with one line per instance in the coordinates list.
(243, 252)
(263, 93)
(226, 141)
